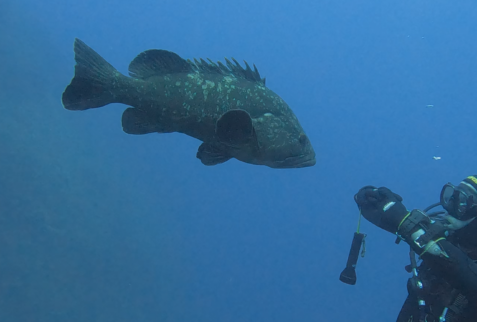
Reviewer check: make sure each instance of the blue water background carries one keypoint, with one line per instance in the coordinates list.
(97, 225)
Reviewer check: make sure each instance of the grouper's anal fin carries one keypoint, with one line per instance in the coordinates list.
(140, 121)
(210, 155)
(155, 62)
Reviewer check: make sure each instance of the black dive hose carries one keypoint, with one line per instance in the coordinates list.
(417, 286)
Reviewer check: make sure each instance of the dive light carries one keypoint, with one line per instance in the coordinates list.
(348, 275)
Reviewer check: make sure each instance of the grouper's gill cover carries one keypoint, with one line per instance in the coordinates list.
(227, 107)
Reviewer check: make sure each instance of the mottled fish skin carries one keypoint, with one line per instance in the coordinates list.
(192, 101)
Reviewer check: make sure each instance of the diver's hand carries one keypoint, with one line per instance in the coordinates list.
(381, 207)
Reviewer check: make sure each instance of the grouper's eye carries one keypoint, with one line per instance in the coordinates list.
(303, 139)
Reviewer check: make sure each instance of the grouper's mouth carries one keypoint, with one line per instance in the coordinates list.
(300, 161)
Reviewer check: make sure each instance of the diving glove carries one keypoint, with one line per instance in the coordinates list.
(381, 207)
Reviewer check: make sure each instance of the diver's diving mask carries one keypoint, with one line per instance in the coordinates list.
(459, 201)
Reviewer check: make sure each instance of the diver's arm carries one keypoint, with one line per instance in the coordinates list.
(426, 237)
(455, 267)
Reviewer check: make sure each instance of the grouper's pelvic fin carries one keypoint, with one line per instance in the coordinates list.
(95, 81)
(211, 155)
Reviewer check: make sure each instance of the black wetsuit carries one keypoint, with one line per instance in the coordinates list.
(449, 282)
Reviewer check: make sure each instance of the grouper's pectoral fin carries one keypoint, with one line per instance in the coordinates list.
(210, 155)
(139, 121)
(235, 128)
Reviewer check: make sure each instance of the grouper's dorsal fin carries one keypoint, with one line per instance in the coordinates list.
(231, 69)
(156, 62)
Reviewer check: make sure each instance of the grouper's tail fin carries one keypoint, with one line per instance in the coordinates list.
(95, 82)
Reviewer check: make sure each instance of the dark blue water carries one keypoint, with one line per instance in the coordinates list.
(97, 225)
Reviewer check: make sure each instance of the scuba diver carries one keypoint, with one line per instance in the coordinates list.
(444, 286)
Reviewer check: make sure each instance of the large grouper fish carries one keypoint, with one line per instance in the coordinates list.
(227, 107)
